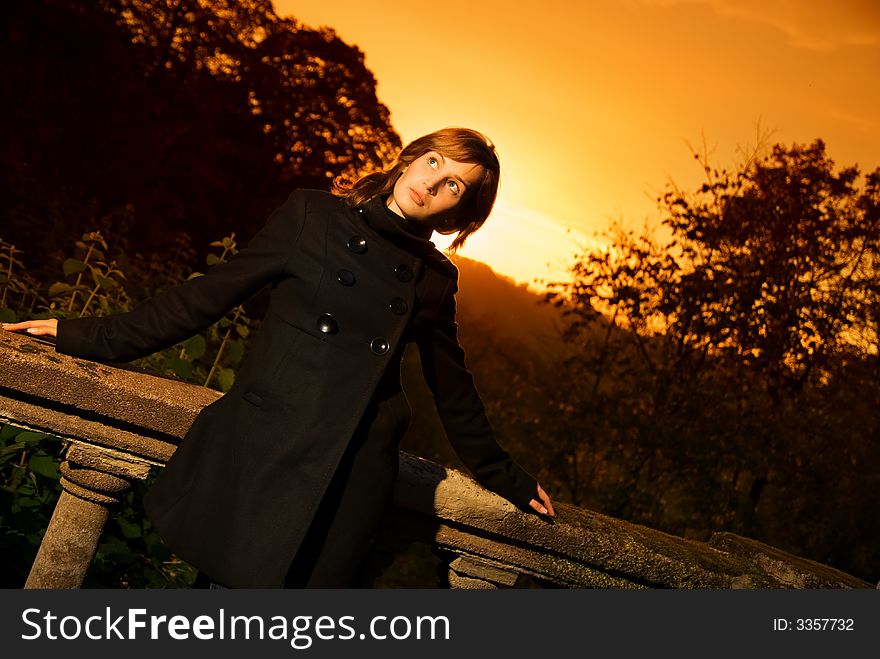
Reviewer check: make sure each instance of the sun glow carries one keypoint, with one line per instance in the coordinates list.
(519, 242)
(591, 102)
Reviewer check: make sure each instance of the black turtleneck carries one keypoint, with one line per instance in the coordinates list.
(404, 233)
(407, 225)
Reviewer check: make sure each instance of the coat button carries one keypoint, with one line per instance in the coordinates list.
(357, 244)
(403, 272)
(327, 324)
(380, 345)
(398, 305)
(345, 277)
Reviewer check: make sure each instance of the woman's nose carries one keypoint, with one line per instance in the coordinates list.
(432, 183)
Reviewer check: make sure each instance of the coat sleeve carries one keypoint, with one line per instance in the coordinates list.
(187, 309)
(463, 414)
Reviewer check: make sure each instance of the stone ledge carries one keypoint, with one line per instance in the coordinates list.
(792, 571)
(587, 549)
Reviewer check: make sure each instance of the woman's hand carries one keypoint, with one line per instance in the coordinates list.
(48, 327)
(544, 506)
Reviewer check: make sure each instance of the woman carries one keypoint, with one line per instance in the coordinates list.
(283, 480)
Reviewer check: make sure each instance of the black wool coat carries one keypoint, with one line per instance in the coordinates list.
(349, 289)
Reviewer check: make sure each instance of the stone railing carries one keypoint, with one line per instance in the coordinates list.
(119, 423)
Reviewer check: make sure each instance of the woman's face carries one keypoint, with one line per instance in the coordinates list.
(432, 186)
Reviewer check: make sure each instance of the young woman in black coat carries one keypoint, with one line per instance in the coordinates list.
(284, 479)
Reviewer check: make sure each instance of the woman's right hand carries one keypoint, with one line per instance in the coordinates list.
(542, 503)
(48, 327)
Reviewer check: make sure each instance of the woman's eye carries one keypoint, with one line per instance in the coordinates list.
(453, 186)
(432, 161)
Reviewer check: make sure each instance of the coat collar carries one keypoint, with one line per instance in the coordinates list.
(376, 214)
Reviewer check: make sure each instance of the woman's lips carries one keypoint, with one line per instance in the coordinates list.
(416, 197)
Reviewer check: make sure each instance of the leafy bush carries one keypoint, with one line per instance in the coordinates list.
(131, 553)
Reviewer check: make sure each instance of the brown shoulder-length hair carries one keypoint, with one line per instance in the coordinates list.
(461, 144)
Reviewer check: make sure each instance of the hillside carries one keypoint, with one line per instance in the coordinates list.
(511, 311)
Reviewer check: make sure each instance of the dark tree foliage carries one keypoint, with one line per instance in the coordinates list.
(146, 117)
(728, 377)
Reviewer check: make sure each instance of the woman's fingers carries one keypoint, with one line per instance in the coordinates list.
(544, 506)
(48, 327)
(538, 506)
(546, 499)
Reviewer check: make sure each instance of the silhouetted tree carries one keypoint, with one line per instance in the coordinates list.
(145, 117)
(718, 371)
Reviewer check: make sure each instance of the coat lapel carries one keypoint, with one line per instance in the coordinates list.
(377, 217)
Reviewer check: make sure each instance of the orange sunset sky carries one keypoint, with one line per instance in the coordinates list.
(591, 103)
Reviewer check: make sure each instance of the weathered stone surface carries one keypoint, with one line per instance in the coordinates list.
(583, 548)
(791, 571)
(64, 424)
(92, 485)
(483, 570)
(468, 583)
(118, 395)
(118, 463)
(69, 545)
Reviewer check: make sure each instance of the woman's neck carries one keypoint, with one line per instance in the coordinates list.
(409, 226)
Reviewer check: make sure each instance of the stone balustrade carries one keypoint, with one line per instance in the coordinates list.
(118, 423)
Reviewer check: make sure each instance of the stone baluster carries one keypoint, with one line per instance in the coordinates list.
(93, 480)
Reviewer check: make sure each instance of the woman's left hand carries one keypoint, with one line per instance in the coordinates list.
(544, 506)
